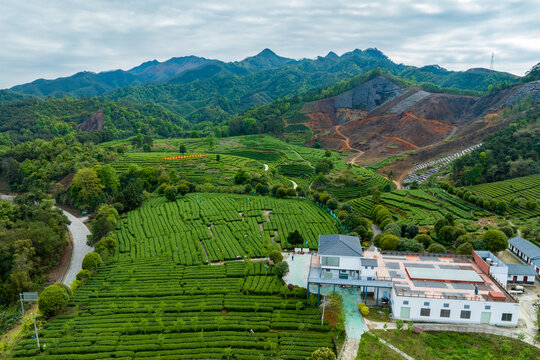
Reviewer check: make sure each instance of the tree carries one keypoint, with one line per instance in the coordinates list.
(439, 224)
(323, 353)
(465, 249)
(446, 234)
(275, 256)
(502, 206)
(424, 239)
(389, 242)
(170, 193)
(241, 176)
(52, 299)
(182, 149)
(376, 195)
(436, 249)
(281, 269)
(324, 166)
(410, 245)
(295, 238)
(133, 194)
(183, 189)
(409, 231)
(86, 187)
(495, 240)
(332, 204)
(91, 261)
(105, 222)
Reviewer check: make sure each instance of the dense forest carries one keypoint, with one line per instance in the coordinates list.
(31, 118)
(513, 151)
(32, 240)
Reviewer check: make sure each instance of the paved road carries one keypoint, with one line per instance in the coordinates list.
(294, 184)
(265, 167)
(79, 231)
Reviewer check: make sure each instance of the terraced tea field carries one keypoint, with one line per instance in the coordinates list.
(527, 188)
(196, 170)
(421, 207)
(200, 228)
(154, 308)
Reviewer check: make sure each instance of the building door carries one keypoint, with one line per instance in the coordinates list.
(405, 312)
(485, 318)
(515, 279)
(524, 279)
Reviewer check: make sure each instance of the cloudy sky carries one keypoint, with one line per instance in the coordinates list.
(51, 38)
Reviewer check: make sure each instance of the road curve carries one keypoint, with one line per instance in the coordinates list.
(265, 167)
(79, 232)
(294, 184)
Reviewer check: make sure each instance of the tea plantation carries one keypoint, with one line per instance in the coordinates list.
(201, 228)
(421, 207)
(152, 299)
(154, 308)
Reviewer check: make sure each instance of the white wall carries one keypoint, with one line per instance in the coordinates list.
(455, 307)
(368, 272)
(530, 279)
(500, 273)
(345, 263)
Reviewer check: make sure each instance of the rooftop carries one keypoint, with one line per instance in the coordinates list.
(437, 276)
(521, 270)
(339, 245)
(526, 247)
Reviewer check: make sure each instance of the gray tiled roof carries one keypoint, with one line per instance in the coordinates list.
(368, 262)
(526, 247)
(521, 269)
(339, 245)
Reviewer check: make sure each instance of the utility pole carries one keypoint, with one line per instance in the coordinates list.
(492, 56)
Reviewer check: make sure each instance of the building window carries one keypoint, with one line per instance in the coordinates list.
(465, 314)
(487, 307)
(330, 261)
(406, 302)
(467, 306)
(426, 303)
(425, 312)
(506, 317)
(445, 313)
(446, 305)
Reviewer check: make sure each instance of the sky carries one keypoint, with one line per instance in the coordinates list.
(51, 38)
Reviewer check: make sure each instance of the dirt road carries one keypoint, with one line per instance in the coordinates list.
(348, 146)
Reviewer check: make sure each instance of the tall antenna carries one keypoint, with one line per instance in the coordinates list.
(492, 56)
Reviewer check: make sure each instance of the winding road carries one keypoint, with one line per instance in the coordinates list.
(79, 232)
(348, 145)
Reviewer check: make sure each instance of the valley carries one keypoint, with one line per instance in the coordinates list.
(272, 208)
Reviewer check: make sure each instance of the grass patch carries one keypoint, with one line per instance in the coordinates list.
(454, 345)
(371, 348)
(380, 315)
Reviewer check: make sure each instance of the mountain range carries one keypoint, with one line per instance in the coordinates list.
(201, 89)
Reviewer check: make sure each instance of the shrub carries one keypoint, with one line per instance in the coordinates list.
(436, 249)
(91, 261)
(332, 204)
(281, 269)
(65, 287)
(364, 311)
(465, 249)
(323, 353)
(170, 193)
(275, 256)
(75, 285)
(52, 299)
(424, 239)
(83, 275)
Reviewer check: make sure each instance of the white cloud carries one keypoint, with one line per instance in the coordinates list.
(48, 39)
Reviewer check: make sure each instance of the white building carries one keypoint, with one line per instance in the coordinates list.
(342, 258)
(526, 251)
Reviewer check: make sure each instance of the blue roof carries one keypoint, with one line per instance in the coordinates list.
(339, 245)
(526, 247)
(521, 269)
